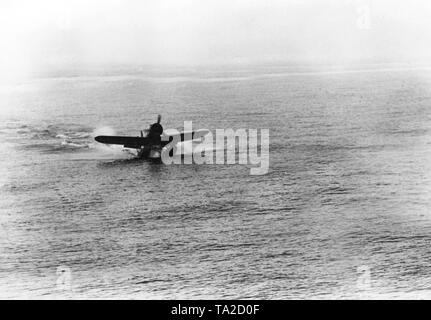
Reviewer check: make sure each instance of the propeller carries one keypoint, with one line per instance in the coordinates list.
(156, 129)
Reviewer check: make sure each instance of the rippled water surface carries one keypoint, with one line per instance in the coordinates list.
(344, 211)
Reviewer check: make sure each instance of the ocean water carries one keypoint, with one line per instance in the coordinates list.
(344, 211)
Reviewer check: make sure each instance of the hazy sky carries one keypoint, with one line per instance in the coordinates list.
(52, 34)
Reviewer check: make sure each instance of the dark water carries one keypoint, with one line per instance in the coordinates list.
(347, 196)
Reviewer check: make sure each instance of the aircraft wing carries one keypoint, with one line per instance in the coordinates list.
(138, 142)
(127, 142)
(185, 135)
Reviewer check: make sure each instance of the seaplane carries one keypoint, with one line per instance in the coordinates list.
(152, 141)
